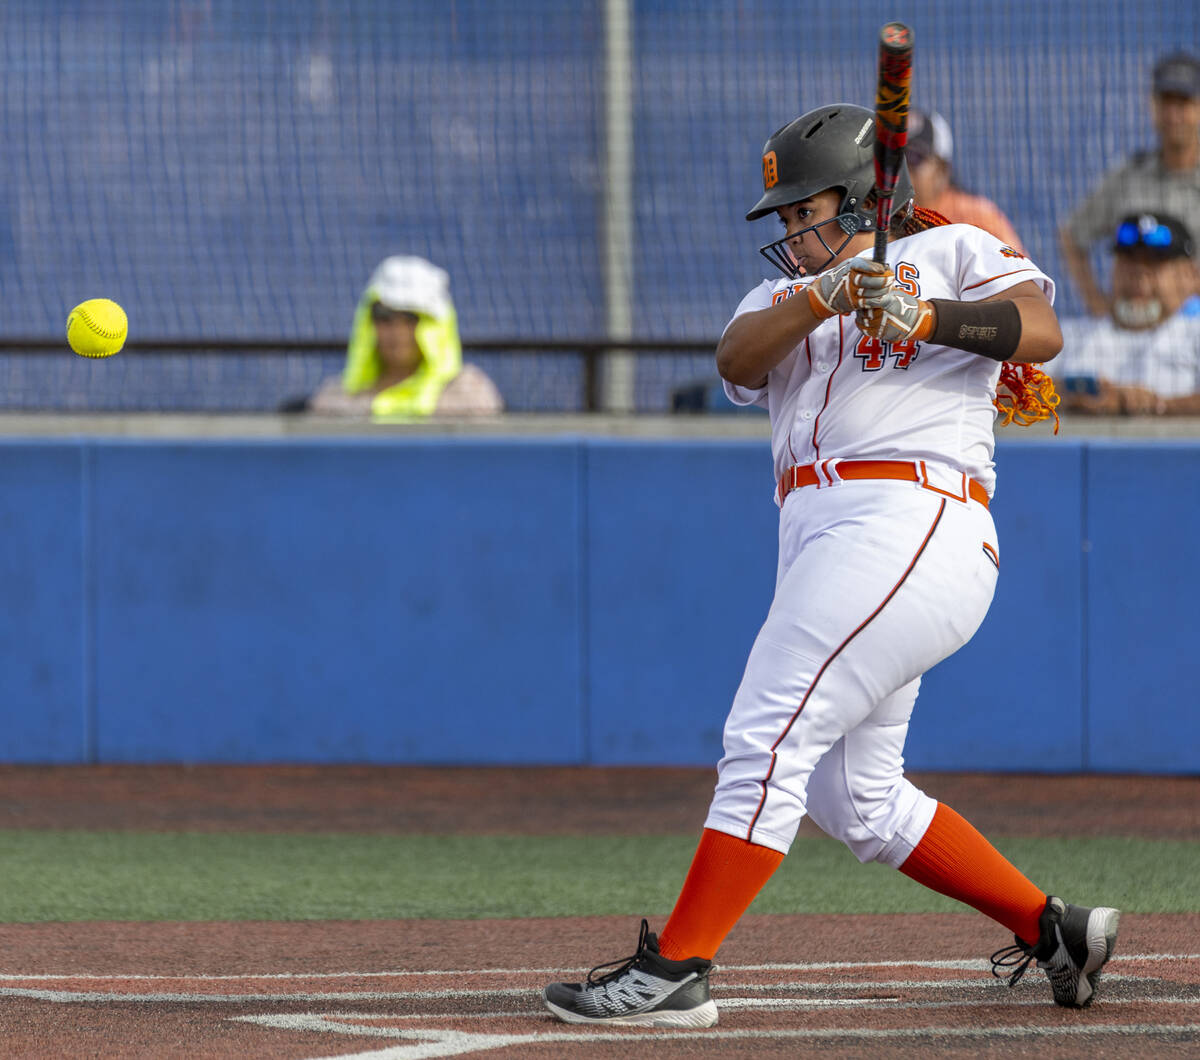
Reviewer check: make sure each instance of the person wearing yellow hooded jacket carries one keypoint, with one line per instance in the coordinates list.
(404, 357)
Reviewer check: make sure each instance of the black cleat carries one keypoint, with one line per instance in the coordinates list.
(1075, 943)
(645, 990)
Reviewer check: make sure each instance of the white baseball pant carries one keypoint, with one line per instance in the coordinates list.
(878, 581)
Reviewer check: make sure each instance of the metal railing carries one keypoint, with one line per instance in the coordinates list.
(594, 351)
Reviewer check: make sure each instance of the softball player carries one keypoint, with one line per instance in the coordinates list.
(881, 385)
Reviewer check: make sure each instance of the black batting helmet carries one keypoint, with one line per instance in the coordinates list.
(830, 147)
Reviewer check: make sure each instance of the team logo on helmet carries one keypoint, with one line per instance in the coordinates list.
(770, 171)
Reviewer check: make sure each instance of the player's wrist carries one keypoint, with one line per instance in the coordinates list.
(817, 305)
(927, 318)
(990, 329)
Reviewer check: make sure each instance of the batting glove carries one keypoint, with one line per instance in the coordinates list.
(871, 279)
(842, 289)
(893, 316)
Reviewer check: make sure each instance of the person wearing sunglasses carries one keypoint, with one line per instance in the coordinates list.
(404, 357)
(1166, 178)
(1144, 357)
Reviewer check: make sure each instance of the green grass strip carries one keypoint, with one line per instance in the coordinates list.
(66, 876)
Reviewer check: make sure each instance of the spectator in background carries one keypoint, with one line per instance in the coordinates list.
(1144, 358)
(1167, 178)
(929, 152)
(404, 359)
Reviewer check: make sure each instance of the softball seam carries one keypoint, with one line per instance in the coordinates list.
(96, 329)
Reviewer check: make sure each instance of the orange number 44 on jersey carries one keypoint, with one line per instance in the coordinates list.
(873, 353)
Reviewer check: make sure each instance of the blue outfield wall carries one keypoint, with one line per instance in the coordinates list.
(565, 600)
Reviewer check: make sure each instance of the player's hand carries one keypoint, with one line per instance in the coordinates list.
(894, 316)
(870, 279)
(843, 289)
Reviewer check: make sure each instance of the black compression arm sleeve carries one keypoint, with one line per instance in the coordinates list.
(991, 329)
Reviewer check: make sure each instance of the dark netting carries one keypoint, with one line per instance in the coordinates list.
(231, 170)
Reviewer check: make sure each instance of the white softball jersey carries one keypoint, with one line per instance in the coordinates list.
(841, 394)
(878, 580)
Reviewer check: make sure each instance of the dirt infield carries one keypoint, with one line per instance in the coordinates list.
(834, 986)
(537, 801)
(844, 986)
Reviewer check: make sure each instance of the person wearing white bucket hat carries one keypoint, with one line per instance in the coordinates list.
(404, 357)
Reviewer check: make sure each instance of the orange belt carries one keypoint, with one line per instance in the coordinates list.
(905, 471)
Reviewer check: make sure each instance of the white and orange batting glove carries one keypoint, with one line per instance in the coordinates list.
(841, 290)
(886, 313)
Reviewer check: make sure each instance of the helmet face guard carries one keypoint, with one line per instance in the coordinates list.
(780, 254)
(830, 147)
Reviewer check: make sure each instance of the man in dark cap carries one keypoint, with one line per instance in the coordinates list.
(1144, 358)
(1165, 179)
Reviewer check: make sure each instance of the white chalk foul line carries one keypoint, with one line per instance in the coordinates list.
(963, 965)
(729, 1004)
(68, 996)
(431, 1043)
(975, 964)
(427, 1044)
(414, 1043)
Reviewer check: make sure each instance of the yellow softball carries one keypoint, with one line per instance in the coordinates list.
(97, 328)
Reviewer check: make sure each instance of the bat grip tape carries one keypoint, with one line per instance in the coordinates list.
(991, 329)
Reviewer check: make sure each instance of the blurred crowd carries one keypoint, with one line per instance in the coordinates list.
(1138, 350)
(1136, 353)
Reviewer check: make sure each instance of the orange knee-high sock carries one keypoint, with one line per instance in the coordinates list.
(726, 874)
(954, 859)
